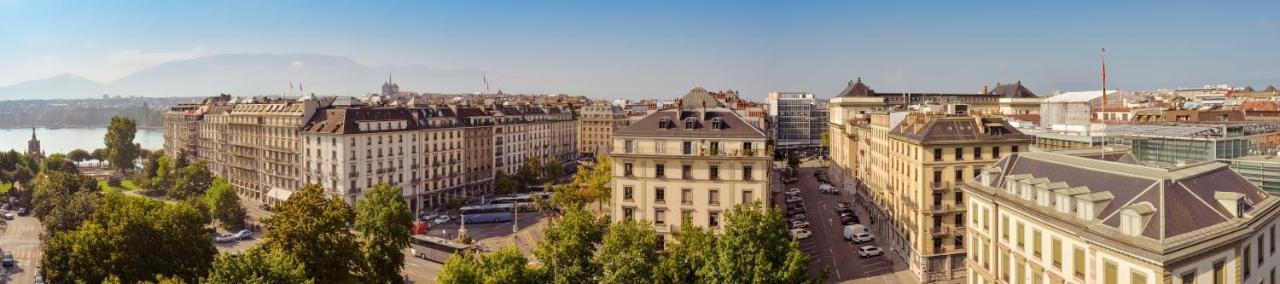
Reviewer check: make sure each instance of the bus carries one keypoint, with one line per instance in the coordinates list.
(435, 248)
(491, 213)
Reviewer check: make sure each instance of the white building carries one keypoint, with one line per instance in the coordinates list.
(798, 119)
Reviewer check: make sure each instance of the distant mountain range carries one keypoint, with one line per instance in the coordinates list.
(251, 75)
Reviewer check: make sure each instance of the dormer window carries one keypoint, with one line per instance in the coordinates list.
(665, 123)
(1234, 202)
(689, 123)
(717, 123)
(1133, 218)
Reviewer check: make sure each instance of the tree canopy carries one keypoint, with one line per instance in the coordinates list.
(79, 155)
(693, 249)
(256, 266)
(315, 230)
(568, 244)
(58, 162)
(224, 205)
(628, 253)
(506, 265)
(385, 224)
(755, 248)
(63, 200)
(134, 239)
(121, 151)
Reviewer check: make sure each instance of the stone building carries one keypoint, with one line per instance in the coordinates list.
(596, 125)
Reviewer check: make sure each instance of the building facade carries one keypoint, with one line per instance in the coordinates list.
(596, 125)
(695, 162)
(908, 166)
(1041, 217)
(798, 119)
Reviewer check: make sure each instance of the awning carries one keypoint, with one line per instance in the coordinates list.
(279, 194)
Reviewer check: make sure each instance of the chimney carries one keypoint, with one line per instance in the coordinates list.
(702, 113)
(984, 89)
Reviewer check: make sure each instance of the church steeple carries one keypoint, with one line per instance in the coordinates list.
(33, 146)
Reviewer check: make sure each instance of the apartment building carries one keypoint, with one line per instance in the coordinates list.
(909, 165)
(858, 98)
(698, 160)
(1048, 217)
(268, 148)
(596, 125)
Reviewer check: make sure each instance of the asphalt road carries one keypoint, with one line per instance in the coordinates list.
(21, 236)
(827, 248)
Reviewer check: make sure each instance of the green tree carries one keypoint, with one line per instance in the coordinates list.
(58, 162)
(163, 180)
(121, 150)
(256, 266)
(530, 173)
(755, 248)
(504, 183)
(79, 155)
(506, 265)
(825, 140)
(693, 249)
(793, 161)
(461, 268)
(100, 154)
(568, 244)
(627, 254)
(600, 181)
(63, 200)
(385, 225)
(134, 239)
(190, 181)
(224, 205)
(315, 229)
(553, 170)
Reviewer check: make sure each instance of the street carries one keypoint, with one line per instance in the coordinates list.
(21, 236)
(827, 247)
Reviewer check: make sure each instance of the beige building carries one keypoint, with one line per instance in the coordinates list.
(1046, 217)
(253, 143)
(596, 124)
(697, 160)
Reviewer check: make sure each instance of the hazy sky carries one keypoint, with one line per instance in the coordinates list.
(627, 49)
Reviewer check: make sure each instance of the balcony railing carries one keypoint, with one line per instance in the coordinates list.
(353, 174)
(939, 231)
(941, 185)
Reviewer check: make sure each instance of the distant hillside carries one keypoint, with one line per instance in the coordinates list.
(63, 86)
(252, 74)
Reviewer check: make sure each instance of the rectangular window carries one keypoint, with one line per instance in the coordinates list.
(714, 172)
(1077, 257)
(959, 176)
(995, 151)
(1248, 262)
(1015, 148)
(626, 169)
(1138, 278)
(977, 153)
(659, 216)
(686, 172)
(1109, 272)
(687, 148)
(1021, 235)
(713, 197)
(1004, 266)
(627, 146)
(1261, 256)
(1056, 245)
(937, 154)
(746, 173)
(1004, 228)
(660, 170)
(959, 154)
(659, 195)
(627, 193)
(746, 197)
(686, 196)
(959, 198)
(1189, 278)
(1035, 242)
(937, 177)
(713, 219)
(1219, 273)
(628, 213)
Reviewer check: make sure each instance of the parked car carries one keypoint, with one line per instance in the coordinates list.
(850, 220)
(224, 238)
(8, 215)
(793, 193)
(801, 234)
(441, 220)
(427, 217)
(862, 238)
(794, 199)
(796, 190)
(869, 251)
(23, 211)
(243, 235)
(799, 224)
(797, 217)
(8, 259)
(819, 172)
(851, 230)
(264, 207)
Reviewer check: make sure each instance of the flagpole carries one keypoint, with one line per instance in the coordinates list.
(1103, 58)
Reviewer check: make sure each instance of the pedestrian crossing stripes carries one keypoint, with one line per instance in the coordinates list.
(26, 254)
(21, 228)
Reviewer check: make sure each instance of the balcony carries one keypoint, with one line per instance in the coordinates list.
(415, 166)
(940, 231)
(353, 174)
(940, 185)
(942, 208)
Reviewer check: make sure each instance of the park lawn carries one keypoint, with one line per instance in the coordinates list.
(4, 187)
(125, 185)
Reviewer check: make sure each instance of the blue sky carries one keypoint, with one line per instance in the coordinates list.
(634, 49)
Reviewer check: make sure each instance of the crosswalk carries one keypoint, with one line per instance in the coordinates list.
(29, 254)
(13, 229)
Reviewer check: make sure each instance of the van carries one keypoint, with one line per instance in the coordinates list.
(851, 230)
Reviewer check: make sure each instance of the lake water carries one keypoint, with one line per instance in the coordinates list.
(63, 140)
